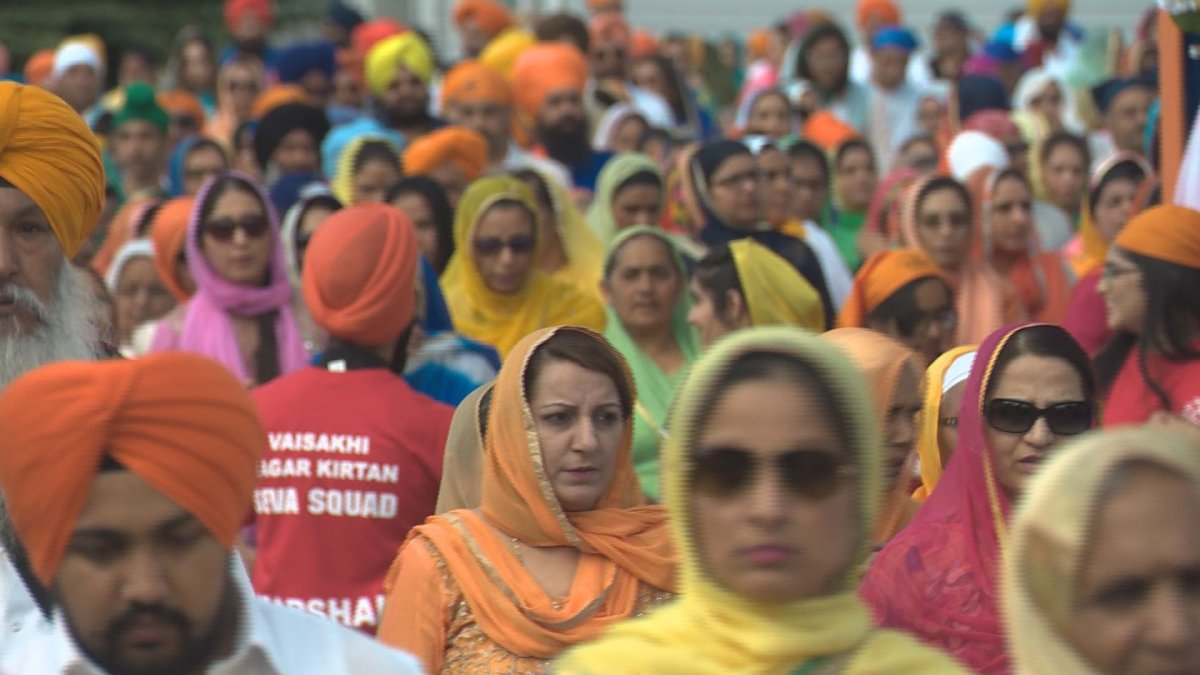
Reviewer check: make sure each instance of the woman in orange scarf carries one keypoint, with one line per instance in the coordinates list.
(1007, 239)
(562, 546)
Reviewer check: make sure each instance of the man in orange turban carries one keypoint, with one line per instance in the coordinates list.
(478, 98)
(478, 21)
(153, 481)
(360, 284)
(452, 156)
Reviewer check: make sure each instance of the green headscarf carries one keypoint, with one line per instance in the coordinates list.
(618, 170)
(655, 388)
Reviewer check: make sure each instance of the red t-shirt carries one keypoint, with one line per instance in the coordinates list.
(1130, 401)
(353, 462)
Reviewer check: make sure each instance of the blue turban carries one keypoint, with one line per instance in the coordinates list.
(296, 61)
(894, 37)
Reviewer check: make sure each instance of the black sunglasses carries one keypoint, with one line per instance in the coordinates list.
(494, 245)
(1018, 417)
(811, 474)
(222, 229)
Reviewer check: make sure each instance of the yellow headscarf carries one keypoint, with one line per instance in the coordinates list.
(501, 320)
(406, 50)
(776, 294)
(709, 629)
(929, 453)
(1051, 531)
(584, 251)
(343, 181)
(501, 53)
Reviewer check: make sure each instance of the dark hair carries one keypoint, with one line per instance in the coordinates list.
(901, 307)
(243, 135)
(643, 177)
(205, 143)
(673, 82)
(1050, 341)
(587, 350)
(537, 183)
(610, 262)
(485, 407)
(717, 274)
(1126, 169)
(439, 206)
(803, 149)
(1172, 312)
(224, 182)
(325, 201)
(652, 134)
(826, 30)
(848, 147)
(1067, 138)
(939, 183)
(557, 27)
(141, 227)
(376, 151)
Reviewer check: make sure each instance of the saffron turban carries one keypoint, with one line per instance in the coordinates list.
(197, 444)
(882, 12)
(39, 66)
(473, 82)
(491, 17)
(183, 103)
(168, 231)
(1035, 8)
(406, 51)
(360, 274)
(236, 11)
(502, 52)
(48, 153)
(370, 33)
(275, 96)
(880, 278)
(544, 68)
(1168, 232)
(827, 131)
(462, 147)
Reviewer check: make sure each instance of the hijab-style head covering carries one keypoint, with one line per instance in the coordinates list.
(197, 444)
(545, 68)
(1054, 528)
(1088, 254)
(168, 231)
(628, 538)
(583, 250)
(463, 456)
(122, 228)
(490, 16)
(881, 277)
(776, 294)
(1168, 232)
(283, 120)
(973, 150)
(315, 194)
(938, 579)
(946, 372)
(473, 81)
(343, 181)
(464, 148)
(612, 178)
(49, 154)
(1033, 84)
(138, 248)
(389, 55)
(655, 389)
(610, 123)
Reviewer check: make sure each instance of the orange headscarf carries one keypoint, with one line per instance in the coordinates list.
(360, 272)
(623, 541)
(39, 66)
(544, 68)
(168, 231)
(881, 277)
(473, 82)
(275, 96)
(883, 12)
(642, 44)
(489, 15)
(182, 102)
(197, 444)
(1167, 232)
(827, 130)
(608, 28)
(121, 230)
(48, 153)
(462, 147)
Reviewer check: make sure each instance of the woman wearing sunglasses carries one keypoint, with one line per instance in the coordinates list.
(493, 286)
(1031, 387)
(1151, 286)
(561, 546)
(772, 480)
(242, 313)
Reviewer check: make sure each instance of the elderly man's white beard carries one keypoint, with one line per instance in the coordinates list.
(64, 332)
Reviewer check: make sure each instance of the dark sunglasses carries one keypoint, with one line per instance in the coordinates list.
(1018, 417)
(811, 474)
(494, 245)
(222, 229)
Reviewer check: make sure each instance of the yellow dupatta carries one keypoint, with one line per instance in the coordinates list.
(342, 184)
(929, 452)
(776, 294)
(584, 251)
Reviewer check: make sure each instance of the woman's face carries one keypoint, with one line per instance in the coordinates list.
(417, 209)
(929, 115)
(900, 433)
(762, 537)
(638, 204)
(504, 241)
(944, 228)
(770, 116)
(856, 179)
(827, 63)
(934, 324)
(241, 86)
(1124, 293)
(1113, 207)
(644, 286)
(1049, 103)
(780, 189)
(648, 76)
(947, 435)
(1011, 216)
(736, 188)
(140, 296)
(628, 134)
(1138, 606)
(198, 71)
(708, 322)
(372, 180)
(236, 238)
(1042, 381)
(580, 425)
(310, 222)
(808, 175)
(1065, 174)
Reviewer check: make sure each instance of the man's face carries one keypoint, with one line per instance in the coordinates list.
(138, 148)
(610, 60)
(406, 97)
(890, 67)
(1127, 117)
(30, 261)
(492, 120)
(1050, 22)
(79, 87)
(143, 584)
(562, 109)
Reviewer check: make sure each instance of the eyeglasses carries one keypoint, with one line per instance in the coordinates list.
(222, 229)
(726, 472)
(1018, 417)
(494, 245)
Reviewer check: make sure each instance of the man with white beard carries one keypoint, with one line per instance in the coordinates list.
(51, 195)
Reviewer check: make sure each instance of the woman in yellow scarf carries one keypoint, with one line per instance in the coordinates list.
(493, 286)
(1101, 558)
(569, 251)
(937, 425)
(771, 537)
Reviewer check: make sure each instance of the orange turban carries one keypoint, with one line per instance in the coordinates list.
(168, 231)
(642, 44)
(502, 52)
(757, 44)
(236, 10)
(275, 96)
(882, 12)
(879, 279)
(360, 273)
(544, 68)
(462, 147)
(198, 444)
(39, 66)
(179, 102)
(473, 82)
(608, 28)
(369, 33)
(489, 15)
(827, 130)
(1168, 232)
(604, 5)
(48, 153)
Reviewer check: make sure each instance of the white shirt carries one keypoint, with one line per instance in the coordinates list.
(21, 622)
(272, 640)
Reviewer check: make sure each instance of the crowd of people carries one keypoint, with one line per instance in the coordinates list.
(599, 350)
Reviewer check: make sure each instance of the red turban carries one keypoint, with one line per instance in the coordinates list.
(197, 444)
(544, 68)
(368, 33)
(462, 147)
(236, 10)
(489, 15)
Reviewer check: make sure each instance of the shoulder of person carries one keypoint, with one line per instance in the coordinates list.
(890, 651)
(306, 640)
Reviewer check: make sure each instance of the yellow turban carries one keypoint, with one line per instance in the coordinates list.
(48, 153)
(407, 50)
(1035, 8)
(501, 53)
